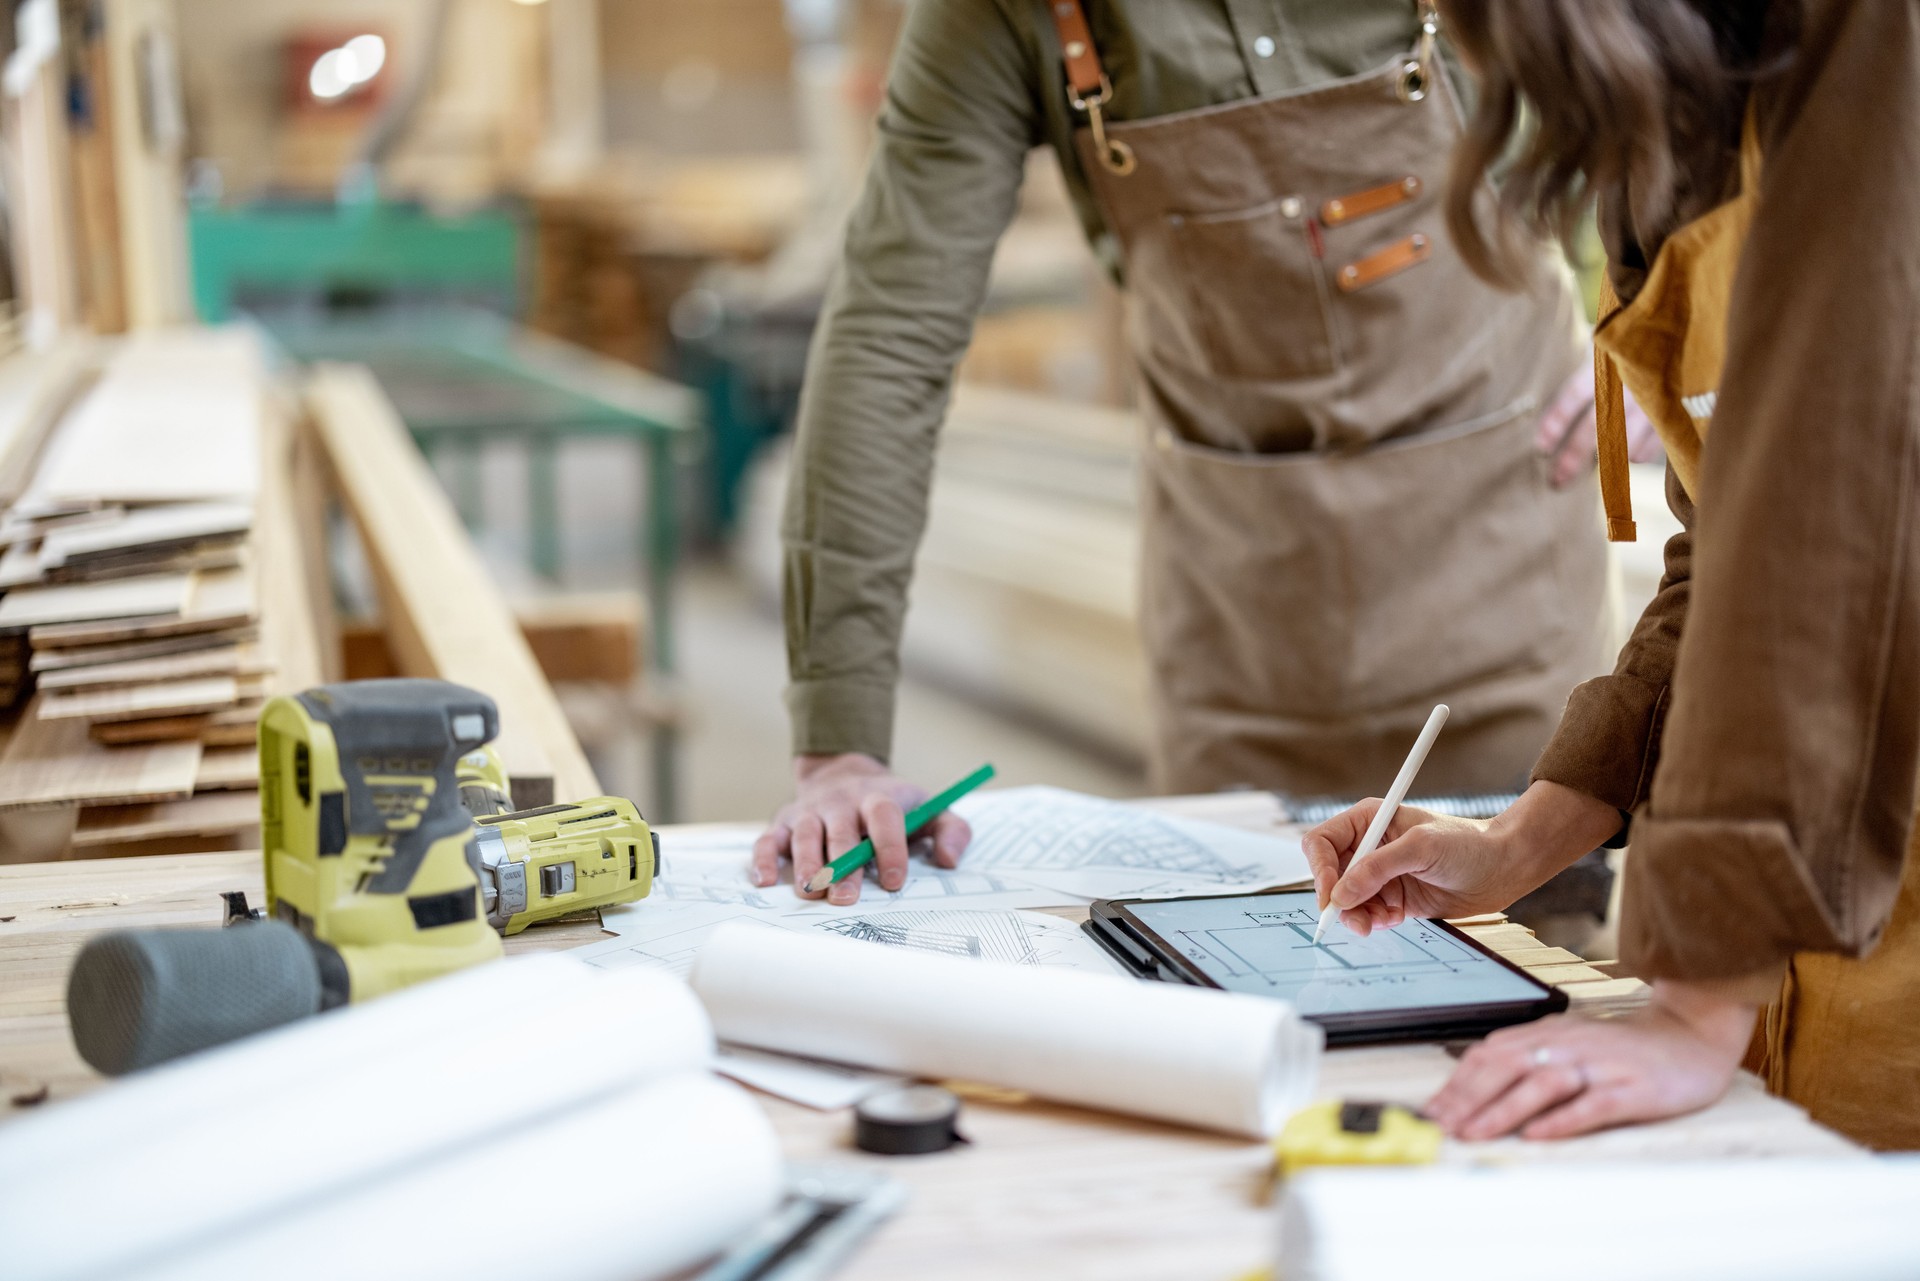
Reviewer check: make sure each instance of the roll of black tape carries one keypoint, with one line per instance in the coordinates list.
(907, 1122)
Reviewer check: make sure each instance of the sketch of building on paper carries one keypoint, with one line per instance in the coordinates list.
(1013, 937)
(1046, 834)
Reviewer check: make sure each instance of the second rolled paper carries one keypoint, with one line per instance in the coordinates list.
(1215, 1060)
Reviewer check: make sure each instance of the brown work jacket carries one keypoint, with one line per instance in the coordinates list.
(1762, 724)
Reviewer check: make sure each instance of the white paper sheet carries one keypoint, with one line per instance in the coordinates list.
(1092, 848)
(1778, 1220)
(826, 1087)
(1218, 1060)
(670, 936)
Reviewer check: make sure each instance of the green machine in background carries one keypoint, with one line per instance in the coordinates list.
(421, 299)
(321, 253)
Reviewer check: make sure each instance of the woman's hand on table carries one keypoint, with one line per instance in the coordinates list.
(1567, 1074)
(840, 801)
(1430, 865)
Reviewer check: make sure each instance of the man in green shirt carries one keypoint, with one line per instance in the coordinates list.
(1343, 420)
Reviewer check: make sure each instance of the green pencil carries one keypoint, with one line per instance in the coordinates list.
(917, 817)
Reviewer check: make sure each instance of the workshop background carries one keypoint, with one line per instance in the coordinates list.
(660, 186)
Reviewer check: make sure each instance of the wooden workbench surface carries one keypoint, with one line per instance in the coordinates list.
(1041, 1191)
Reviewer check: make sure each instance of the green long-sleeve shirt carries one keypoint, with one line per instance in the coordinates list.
(975, 85)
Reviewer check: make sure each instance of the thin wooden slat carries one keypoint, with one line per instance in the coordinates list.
(55, 762)
(36, 388)
(443, 615)
(220, 599)
(159, 597)
(135, 702)
(171, 525)
(214, 814)
(174, 417)
(224, 660)
(54, 660)
(225, 769)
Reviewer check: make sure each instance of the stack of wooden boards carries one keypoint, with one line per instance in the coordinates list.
(133, 565)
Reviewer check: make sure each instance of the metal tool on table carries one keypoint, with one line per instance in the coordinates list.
(377, 877)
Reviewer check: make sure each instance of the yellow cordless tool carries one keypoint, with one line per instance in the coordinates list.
(365, 838)
(377, 875)
(560, 859)
(483, 783)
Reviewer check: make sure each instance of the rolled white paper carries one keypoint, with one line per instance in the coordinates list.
(1777, 1220)
(637, 1186)
(245, 1133)
(1217, 1060)
(468, 1005)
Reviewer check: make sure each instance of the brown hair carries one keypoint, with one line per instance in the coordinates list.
(1637, 101)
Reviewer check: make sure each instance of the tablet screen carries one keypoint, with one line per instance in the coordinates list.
(1263, 943)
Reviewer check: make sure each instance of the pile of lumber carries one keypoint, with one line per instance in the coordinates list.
(132, 570)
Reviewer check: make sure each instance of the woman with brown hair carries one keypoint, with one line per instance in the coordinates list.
(1757, 171)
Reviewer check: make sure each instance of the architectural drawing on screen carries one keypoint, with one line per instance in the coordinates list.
(1284, 955)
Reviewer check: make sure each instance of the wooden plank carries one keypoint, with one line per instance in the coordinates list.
(211, 815)
(175, 417)
(55, 762)
(220, 599)
(289, 627)
(443, 615)
(219, 660)
(592, 637)
(169, 525)
(225, 769)
(55, 660)
(157, 597)
(137, 702)
(36, 388)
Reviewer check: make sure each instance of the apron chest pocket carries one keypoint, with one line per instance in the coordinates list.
(1250, 296)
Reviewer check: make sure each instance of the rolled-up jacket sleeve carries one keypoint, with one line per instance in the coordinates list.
(1780, 806)
(1609, 739)
(942, 184)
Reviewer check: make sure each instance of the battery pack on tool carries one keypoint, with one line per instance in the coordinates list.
(539, 864)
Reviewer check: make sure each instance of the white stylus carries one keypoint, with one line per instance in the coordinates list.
(1388, 807)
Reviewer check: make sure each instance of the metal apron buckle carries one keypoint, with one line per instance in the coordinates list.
(1414, 74)
(1116, 155)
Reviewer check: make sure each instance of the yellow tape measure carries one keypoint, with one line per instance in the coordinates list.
(1348, 1133)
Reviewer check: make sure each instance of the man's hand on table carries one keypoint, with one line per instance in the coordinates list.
(840, 801)
(1569, 1074)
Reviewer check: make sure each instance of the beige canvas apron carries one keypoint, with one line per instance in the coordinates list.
(1843, 1038)
(1346, 519)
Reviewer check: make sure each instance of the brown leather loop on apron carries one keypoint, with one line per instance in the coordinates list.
(1088, 88)
(1610, 421)
(1084, 72)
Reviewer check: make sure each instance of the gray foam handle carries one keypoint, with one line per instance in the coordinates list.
(137, 998)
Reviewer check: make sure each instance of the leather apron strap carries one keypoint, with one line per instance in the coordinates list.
(1610, 417)
(1088, 88)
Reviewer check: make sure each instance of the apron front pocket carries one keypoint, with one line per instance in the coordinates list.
(1321, 587)
(1250, 294)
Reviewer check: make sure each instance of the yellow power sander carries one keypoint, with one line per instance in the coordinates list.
(377, 874)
